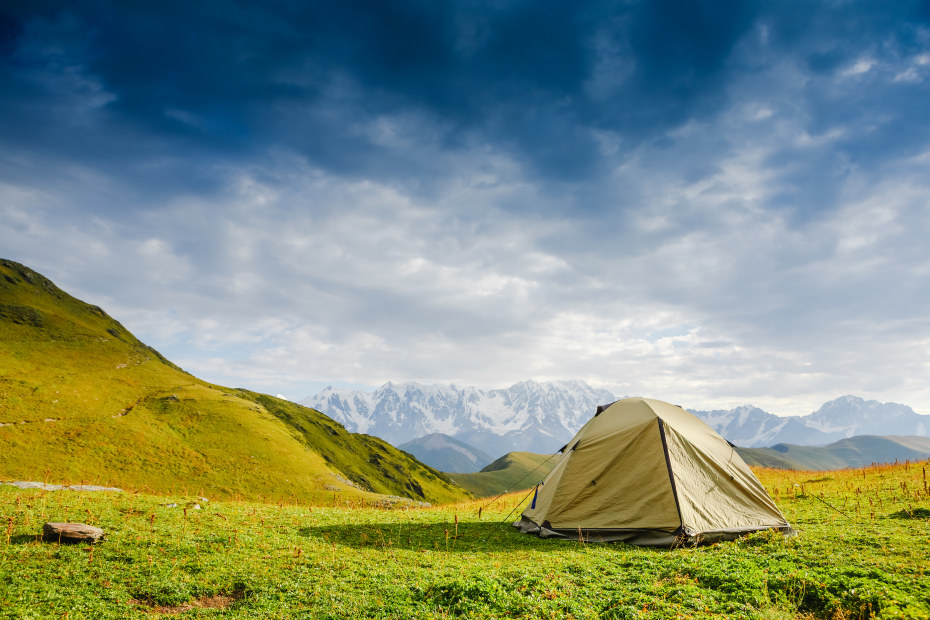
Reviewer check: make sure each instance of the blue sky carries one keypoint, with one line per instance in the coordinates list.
(712, 203)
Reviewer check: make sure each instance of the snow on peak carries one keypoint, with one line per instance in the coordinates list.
(401, 412)
(540, 416)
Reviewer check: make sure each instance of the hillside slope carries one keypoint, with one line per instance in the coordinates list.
(515, 471)
(82, 399)
(860, 451)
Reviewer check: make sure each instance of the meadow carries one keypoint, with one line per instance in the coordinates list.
(862, 552)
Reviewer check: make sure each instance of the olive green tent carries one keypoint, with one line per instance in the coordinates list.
(649, 473)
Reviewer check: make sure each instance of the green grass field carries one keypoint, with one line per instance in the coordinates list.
(862, 552)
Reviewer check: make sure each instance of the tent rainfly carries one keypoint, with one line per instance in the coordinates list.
(649, 473)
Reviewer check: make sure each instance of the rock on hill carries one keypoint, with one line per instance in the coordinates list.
(83, 400)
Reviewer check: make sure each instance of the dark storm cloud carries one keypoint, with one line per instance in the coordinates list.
(124, 84)
(231, 79)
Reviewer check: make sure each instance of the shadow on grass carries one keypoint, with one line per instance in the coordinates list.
(438, 537)
(25, 539)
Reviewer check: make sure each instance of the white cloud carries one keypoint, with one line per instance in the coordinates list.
(863, 65)
(915, 71)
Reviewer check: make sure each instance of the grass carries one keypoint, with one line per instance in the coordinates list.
(861, 553)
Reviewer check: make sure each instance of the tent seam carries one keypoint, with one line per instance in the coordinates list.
(671, 475)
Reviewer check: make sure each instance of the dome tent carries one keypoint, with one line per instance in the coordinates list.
(646, 472)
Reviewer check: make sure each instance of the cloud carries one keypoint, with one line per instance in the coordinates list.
(709, 202)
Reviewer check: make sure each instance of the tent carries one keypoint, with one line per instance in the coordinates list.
(646, 472)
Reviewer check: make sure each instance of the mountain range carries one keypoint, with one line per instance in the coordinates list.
(83, 400)
(527, 416)
(541, 417)
(837, 419)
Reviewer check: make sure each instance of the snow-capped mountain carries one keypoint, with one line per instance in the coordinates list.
(843, 417)
(537, 417)
(850, 416)
(542, 417)
(752, 427)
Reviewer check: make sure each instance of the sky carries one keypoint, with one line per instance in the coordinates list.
(709, 202)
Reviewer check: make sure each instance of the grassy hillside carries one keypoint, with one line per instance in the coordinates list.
(851, 452)
(81, 399)
(515, 471)
(861, 552)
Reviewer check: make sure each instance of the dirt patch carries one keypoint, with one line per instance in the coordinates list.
(219, 601)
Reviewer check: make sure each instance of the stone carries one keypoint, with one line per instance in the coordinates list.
(92, 487)
(71, 533)
(28, 484)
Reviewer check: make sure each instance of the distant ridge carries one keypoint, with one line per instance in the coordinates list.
(859, 451)
(446, 453)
